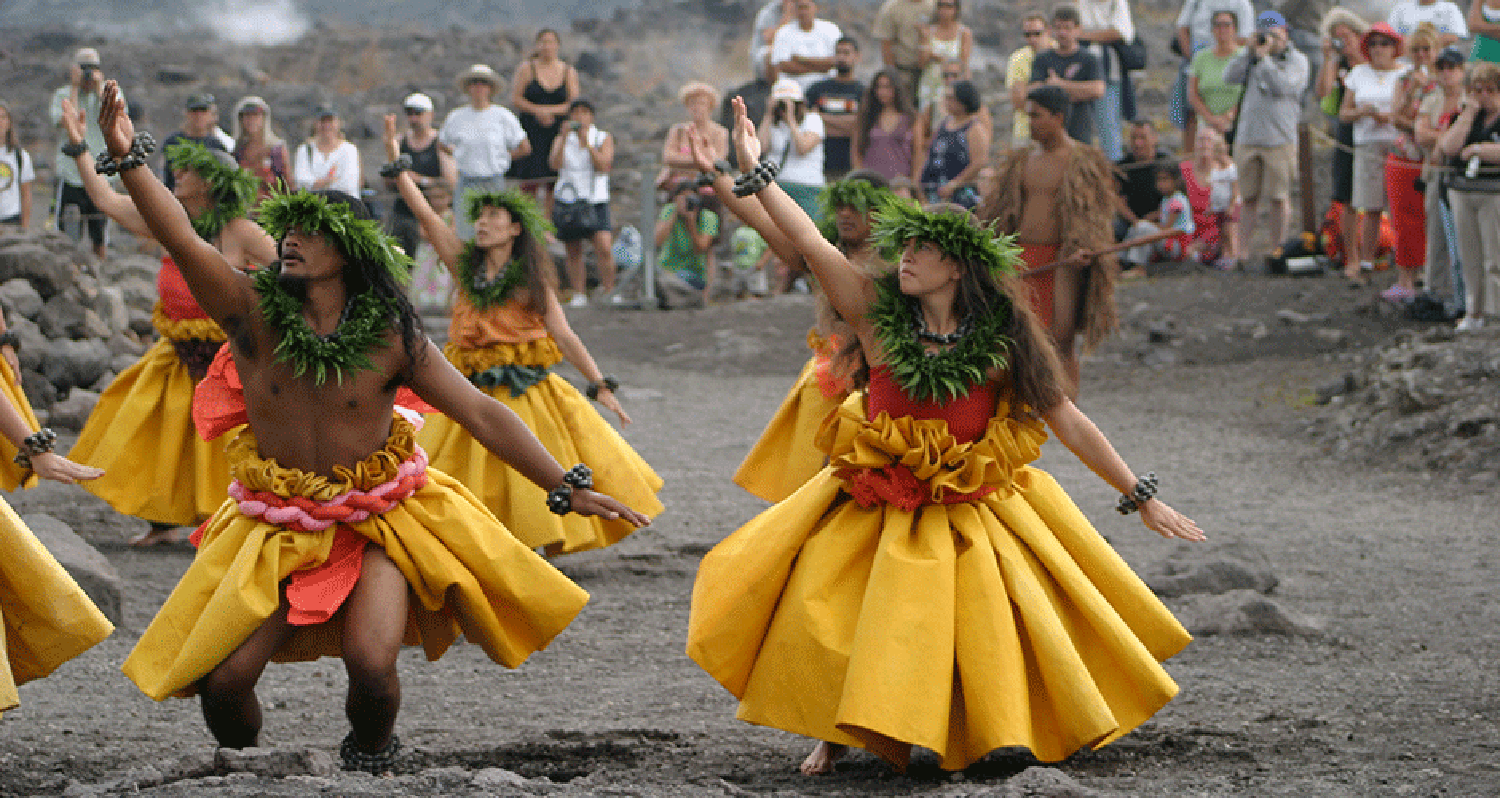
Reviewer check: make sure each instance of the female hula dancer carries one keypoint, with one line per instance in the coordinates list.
(141, 432)
(46, 618)
(784, 458)
(506, 333)
(928, 587)
(12, 475)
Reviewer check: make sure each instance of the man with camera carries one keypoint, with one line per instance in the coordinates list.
(1265, 142)
(85, 82)
(685, 233)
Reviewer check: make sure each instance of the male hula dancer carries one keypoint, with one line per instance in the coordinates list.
(1057, 200)
(338, 540)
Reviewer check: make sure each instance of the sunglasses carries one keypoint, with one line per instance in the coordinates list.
(415, 111)
(1224, 23)
(1033, 33)
(1382, 43)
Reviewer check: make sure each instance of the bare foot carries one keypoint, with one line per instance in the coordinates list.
(157, 536)
(823, 758)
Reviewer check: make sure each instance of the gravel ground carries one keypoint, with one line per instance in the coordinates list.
(1394, 698)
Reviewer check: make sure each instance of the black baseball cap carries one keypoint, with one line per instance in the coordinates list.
(200, 102)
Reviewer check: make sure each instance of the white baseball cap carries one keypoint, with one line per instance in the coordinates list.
(417, 101)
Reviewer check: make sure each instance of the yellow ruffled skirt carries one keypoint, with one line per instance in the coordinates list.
(573, 432)
(1003, 620)
(467, 573)
(785, 456)
(13, 476)
(141, 433)
(47, 618)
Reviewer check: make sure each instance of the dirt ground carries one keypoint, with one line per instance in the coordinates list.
(1396, 698)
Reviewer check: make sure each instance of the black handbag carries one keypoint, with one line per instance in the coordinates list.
(572, 217)
(1132, 54)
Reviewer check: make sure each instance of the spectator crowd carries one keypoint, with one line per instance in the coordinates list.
(1408, 103)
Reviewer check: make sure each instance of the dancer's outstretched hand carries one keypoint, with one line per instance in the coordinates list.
(72, 121)
(588, 502)
(747, 146)
(1169, 523)
(119, 131)
(57, 468)
(392, 147)
(609, 400)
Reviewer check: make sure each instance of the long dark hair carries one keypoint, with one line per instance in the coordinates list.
(541, 272)
(1035, 370)
(368, 275)
(10, 132)
(871, 109)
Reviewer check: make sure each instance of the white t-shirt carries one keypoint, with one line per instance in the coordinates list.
(819, 42)
(481, 140)
(1221, 187)
(1406, 15)
(578, 169)
(805, 168)
(1100, 14)
(15, 172)
(765, 19)
(1198, 17)
(309, 165)
(1371, 87)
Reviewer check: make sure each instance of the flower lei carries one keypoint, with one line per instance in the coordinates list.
(484, 293)
(935, 376)
(363, 327)
(231, 189)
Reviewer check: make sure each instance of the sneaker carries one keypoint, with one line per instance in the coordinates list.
(579, 300)
(1226, 264)
(1469, 324)
(1398, 293)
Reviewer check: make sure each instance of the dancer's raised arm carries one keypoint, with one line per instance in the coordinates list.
(444, 240)
(111, 203)
(850, 291)
(224, 293)
(748, 209)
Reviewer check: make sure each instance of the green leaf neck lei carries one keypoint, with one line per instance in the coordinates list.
(362, 328)
(482, 293)
(935, 376)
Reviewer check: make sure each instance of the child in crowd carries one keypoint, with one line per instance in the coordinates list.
(751, 259)
(1224, 204)
(1171, 236)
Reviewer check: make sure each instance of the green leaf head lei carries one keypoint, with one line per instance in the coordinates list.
(358, 240)
(946, 375)
(369, 315)
(231, 189)
(952, 229)
(861, 195)
(534, 229)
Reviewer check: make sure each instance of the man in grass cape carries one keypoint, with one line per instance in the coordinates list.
(337, 539)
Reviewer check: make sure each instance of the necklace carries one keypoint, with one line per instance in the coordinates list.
(979, 346)
(487, 292)
(923, 334)
(363, 325)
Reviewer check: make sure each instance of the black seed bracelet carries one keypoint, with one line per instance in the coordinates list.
(560, 498)
(1145, 489)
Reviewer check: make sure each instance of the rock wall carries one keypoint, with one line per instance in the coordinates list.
(80, 322)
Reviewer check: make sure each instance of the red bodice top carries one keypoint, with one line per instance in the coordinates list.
(968, 416)
(176, 300)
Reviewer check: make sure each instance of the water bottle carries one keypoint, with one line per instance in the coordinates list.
(1473, 170)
